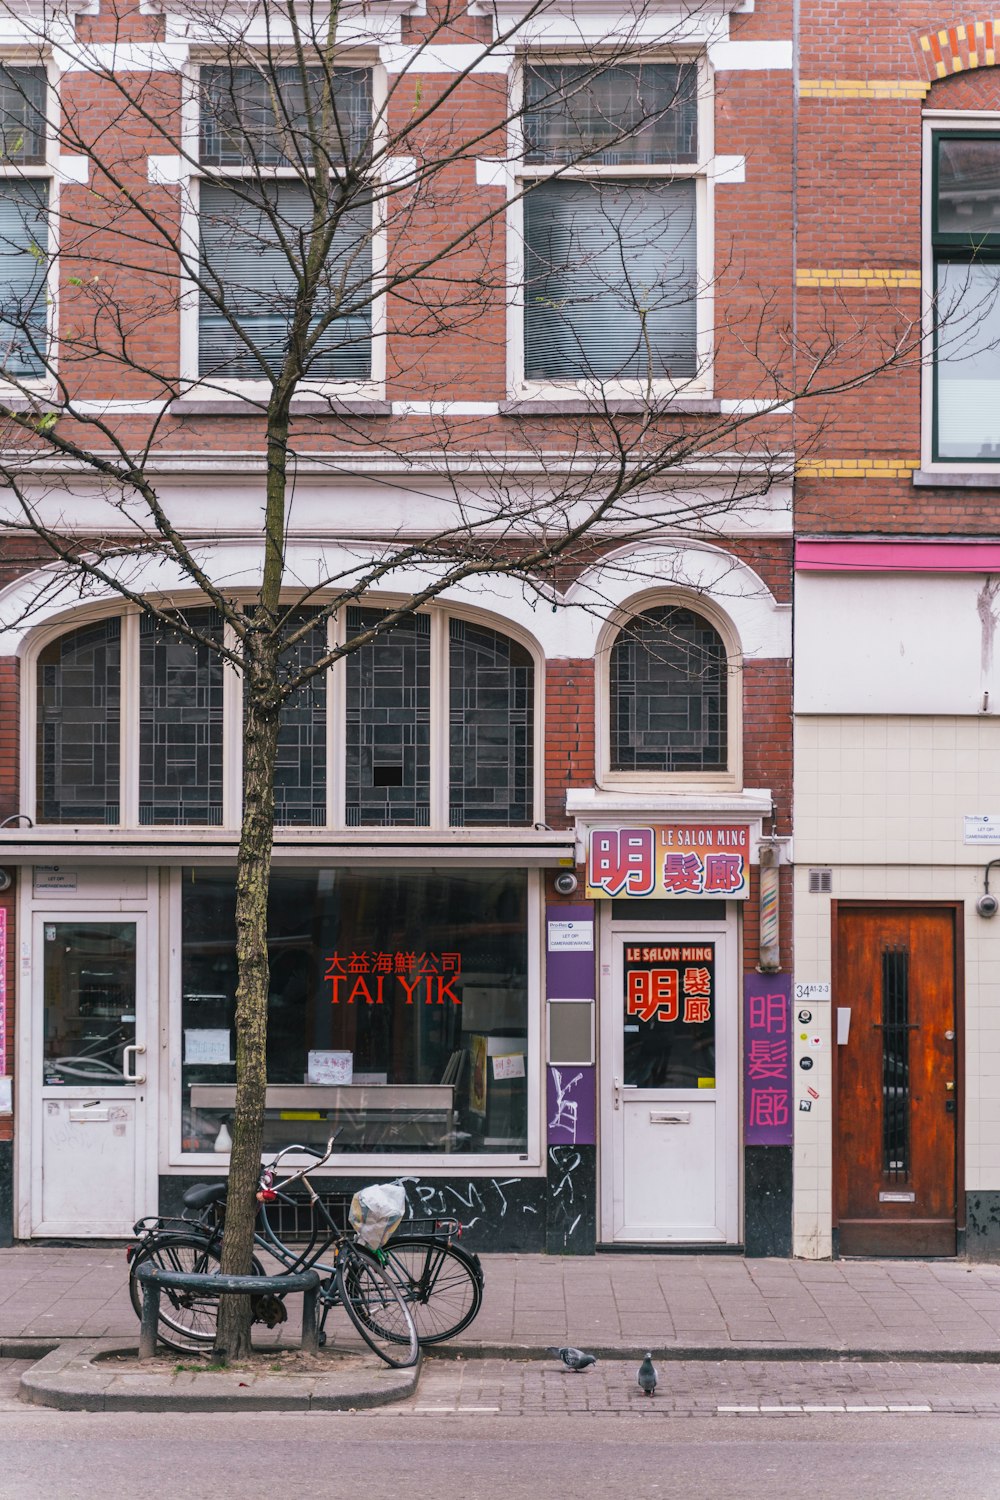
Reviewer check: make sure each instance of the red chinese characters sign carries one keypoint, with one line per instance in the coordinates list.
(670, 859)
(374, 976)
(767, 1060)
(669, 1015)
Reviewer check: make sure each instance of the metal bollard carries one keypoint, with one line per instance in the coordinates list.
(150, 1317)
(310, 1321)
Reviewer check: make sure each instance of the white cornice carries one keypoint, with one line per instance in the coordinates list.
(666, 23)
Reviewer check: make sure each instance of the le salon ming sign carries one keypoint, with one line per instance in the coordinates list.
(669, 859)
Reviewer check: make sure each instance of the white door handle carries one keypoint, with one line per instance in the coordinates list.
(618, 1093)
(132, 1077)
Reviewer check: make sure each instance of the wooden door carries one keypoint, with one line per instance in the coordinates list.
(895, 1147)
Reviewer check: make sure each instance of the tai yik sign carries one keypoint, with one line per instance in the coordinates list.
(669, 859)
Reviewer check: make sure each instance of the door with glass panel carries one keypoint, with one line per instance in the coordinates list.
(669, 1125)
(89, 1174)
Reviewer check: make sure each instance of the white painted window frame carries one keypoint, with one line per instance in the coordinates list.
(704, 782)
(701, 384)
(939, 122)
(232, 718)
(220, 390)
(47, 171)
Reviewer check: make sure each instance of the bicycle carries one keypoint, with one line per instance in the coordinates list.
(354, 1278)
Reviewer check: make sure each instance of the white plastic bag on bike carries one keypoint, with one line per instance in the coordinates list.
(376, 1213)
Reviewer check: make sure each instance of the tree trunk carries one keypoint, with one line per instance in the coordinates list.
(253, 866)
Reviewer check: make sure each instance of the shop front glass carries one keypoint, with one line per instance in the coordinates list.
(398, 1011)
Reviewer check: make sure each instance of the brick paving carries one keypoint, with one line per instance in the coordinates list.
(706, 1388)
(613, 1302)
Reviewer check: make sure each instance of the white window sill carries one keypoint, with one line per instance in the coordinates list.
(985, 476)
(334, 405)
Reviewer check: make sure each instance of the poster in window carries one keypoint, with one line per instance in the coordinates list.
(477, 1084)
(669, 1015)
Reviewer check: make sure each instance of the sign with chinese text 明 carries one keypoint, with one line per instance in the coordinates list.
(767, 1060)
(669, 1015)
(670, 859)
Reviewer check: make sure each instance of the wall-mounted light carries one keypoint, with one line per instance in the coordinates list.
(987, 905)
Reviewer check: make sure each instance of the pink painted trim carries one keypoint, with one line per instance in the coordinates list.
(897, 557)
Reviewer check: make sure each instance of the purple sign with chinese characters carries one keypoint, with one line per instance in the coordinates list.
(767, 1059)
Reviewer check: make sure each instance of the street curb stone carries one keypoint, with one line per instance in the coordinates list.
(740, 1352)
(77, 1376)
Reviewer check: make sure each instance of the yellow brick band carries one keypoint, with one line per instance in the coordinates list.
(860, 276)
(856, 468)
(862, 88)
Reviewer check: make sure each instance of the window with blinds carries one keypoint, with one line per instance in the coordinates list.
(268, 145)
(610, 274)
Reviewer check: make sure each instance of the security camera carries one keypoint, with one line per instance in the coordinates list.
(987, 906)
(5, 880)
(566, 883)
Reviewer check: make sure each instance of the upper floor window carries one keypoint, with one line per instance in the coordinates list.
(965, 232)
(428, 724)
(611, 222)
(24, 230)
(277, 171)
(669, 695)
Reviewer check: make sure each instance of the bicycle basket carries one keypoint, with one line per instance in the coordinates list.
(376, 1213)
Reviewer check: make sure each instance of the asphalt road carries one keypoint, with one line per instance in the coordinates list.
(83, 1456)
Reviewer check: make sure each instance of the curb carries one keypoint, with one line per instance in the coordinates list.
(746, 1353)
(78, 1377)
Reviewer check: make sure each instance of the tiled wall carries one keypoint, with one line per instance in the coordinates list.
(881, 802)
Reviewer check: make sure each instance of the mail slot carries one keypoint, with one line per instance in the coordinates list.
(670, 1117)
(100, 1115)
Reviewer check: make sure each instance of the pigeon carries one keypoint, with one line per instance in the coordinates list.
(647, 1376)
(574, 1359)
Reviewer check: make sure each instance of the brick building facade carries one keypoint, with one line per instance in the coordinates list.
(590, 1084)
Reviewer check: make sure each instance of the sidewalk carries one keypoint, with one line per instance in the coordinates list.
(717, 1306)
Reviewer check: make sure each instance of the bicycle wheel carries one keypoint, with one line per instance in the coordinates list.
(187, 1319)
(375, 1306)
(442, 1285)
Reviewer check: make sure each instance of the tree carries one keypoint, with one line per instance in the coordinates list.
(293, 214)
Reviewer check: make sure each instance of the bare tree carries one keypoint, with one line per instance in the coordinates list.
(301, 223)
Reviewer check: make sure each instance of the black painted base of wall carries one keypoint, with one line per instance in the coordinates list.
(767, 1194)
(982, 1226)
(6, 1193)
(557, 1213)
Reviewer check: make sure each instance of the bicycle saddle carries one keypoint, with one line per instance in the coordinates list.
(204, 1193)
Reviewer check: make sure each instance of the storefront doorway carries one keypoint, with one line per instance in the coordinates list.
(897, 1085)
(92, 980)
(669, 1005)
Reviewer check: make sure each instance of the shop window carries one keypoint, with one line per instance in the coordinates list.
(965, 232)
(253, 127)
(398, 1010)
(492, 728)
(79, 726)
(180, 722)
(610, 276)
(669, 687)
(24, 234)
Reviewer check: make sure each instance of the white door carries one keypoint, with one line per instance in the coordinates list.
(89, 1160)
(670, 1169)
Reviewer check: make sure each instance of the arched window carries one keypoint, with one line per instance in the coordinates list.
(669, 694)
(429, 724)
(78, 739)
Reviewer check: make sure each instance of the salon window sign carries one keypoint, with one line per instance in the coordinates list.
(767, 1059)
(670, 859)
(376, 977)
